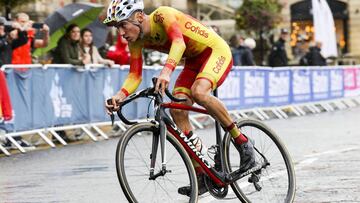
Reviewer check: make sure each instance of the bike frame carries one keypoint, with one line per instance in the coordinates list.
(220, 177)
(216, 176)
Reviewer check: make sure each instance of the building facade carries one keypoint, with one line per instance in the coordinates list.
(297, 17)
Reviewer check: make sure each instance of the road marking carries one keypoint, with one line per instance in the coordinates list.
(311, 158)
(332, 152)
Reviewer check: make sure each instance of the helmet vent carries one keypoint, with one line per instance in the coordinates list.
(125, 3)
(129, 7)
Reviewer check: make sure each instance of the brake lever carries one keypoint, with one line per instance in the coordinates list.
(112, 115)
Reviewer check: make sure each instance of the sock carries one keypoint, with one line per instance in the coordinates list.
(188, 133)
(236, 134)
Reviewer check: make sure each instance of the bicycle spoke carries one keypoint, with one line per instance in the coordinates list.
(144, 188)
(165, 190)
(275, 179)
(165, 187)
(142, 159)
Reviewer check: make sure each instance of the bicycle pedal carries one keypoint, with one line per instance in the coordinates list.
(254, 178)
(257, 187)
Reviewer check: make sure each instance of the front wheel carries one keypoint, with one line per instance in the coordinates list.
(133, 157)
(277, 180)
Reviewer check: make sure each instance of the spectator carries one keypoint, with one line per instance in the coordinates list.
(242, 54)
(250, 43)
(246, 55)
(235, 42)
(313, 57)
(8, 43)
(87, 47)
(22, 54)
(216, 29)
(1, 115)
(68, 49)
(278, 56)
(5, 104)
(120, 52)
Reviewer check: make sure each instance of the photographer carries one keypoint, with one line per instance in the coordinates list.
(22, 54)
(7, 43)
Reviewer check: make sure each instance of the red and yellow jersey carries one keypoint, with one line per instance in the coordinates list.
(175, 33)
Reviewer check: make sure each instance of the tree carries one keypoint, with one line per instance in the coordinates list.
(259, 16)
(10, 4)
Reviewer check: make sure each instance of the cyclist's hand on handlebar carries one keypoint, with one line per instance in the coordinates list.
(163, 81)
(114, 104)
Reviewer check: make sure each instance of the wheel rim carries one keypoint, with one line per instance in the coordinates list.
(135, 167)
(277, 180)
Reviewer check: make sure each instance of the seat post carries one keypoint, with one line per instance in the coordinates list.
(217, 125)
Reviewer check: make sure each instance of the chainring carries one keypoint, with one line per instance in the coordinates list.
(214, 190)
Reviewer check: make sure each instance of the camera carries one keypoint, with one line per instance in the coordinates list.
(37, 25)
(8, 26)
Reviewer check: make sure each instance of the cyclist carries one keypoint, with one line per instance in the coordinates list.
(207, 57)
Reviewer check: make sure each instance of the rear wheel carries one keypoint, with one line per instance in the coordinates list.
(277, 180)
(133, 167)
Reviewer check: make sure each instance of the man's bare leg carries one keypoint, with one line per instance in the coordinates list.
(201, 93)
(181, 117)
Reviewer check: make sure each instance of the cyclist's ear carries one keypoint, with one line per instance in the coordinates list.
(139, 16)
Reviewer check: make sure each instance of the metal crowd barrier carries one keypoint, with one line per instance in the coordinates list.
(259, 112)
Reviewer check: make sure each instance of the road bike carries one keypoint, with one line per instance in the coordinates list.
(154, 159)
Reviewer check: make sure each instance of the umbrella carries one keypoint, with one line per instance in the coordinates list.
(100, 32)
(81, 14)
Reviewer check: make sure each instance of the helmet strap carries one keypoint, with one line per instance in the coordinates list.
(141, 34)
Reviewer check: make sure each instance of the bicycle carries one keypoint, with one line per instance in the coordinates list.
(264, 183)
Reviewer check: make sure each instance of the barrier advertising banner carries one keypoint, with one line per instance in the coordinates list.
(301, 85)
(229, 91)
(63, 96)
(336, 83)
(253, 87)
(20, 87)
(320, 84)
(279, 85)
(352, 81)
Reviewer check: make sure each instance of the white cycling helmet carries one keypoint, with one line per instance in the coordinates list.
(120, 10)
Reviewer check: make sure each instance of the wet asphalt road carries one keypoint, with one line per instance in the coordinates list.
(325, 149)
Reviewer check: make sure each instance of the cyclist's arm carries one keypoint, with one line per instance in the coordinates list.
(134, 77)
(175, 36)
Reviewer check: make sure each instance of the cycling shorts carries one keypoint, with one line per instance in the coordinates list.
(212, 64)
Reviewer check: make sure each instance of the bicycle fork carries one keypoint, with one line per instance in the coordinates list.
(158, 136)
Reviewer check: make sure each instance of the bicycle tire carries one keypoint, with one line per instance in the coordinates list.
(121, 149)
(290, 193)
